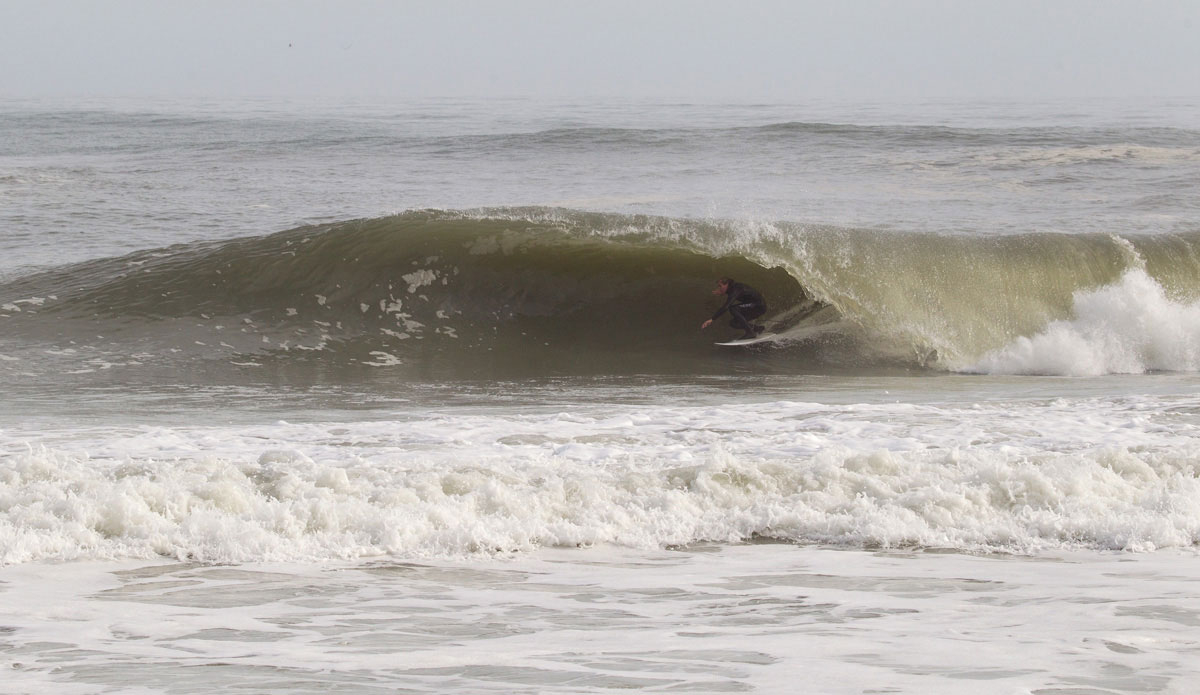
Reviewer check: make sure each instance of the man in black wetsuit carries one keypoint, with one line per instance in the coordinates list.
(743, 303)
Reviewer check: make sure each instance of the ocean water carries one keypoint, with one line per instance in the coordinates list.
(413, 397)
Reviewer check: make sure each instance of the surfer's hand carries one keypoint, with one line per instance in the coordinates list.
(706, 324)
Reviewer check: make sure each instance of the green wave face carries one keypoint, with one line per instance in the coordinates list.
(515, 292)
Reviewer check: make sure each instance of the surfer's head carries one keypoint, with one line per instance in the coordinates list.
(723, 285)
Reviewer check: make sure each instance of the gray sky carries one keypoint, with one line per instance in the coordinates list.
(748, 50)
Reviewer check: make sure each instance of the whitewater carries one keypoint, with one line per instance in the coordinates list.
(377, 397)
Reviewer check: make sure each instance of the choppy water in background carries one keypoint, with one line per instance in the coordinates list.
(370, 396)
(103, 178)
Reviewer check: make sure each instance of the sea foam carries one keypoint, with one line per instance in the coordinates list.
(1129, 327)
(1066, 473)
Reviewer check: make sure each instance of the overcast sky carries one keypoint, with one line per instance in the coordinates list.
(698, 50)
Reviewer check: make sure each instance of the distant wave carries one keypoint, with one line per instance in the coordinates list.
(319, 132)
(561, 291)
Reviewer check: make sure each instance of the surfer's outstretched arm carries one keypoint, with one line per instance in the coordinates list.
(723, 309)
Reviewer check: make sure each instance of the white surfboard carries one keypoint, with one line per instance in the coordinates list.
(748, 341)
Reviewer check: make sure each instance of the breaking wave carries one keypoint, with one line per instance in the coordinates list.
(888, 475)
(556, 291)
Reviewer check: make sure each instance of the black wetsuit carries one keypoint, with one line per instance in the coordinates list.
(743, 303)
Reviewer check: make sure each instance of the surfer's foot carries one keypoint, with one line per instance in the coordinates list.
(748, 335)
(759, 329)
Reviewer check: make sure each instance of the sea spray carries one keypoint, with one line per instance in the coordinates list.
(1129, 327)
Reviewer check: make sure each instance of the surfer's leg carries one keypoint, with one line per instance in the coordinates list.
(753, 311)
(739, 322)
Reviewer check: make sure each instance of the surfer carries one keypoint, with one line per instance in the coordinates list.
(743, 303)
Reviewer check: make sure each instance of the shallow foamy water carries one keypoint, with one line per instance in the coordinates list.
(980, 465)
(763, 617)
